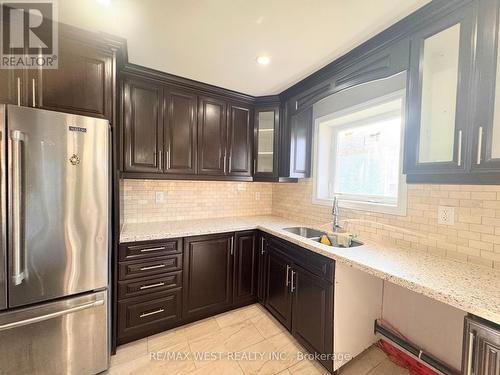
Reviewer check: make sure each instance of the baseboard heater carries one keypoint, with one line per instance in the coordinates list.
(414, 351)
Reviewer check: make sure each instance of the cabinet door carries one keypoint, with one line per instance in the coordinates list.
(142, 126)
(208, 275)
(278, 297)
(13, 86)
(180, 131)
(82, 83)
(439, 99)
(262, 279)
(486, 131)
(239, 141)
(212, 114)
(266, 142)
(300, 143)
(312, 312)
(481, 353)
(245, 267)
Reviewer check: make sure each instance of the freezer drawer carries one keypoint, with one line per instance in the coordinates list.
(69, 336)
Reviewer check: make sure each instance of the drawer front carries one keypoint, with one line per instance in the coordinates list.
(147, 285)
(130, 270)
(315, 263)
(140, 316)
(142, 250)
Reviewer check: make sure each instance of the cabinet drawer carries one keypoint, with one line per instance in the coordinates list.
(141, 250)
(142, 316)
(315, 263)
(130, 270)
(147, 285)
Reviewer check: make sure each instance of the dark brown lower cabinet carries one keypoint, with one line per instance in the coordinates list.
(278, 294)
(245, 268)
(208, 274)
(145, 315)
(481, 349)
(312, 315)
(299, 294)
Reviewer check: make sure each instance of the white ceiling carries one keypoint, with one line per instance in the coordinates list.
(217, 41)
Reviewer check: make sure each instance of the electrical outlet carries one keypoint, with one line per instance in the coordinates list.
(160, 197)
(446, 215)
(257, 196)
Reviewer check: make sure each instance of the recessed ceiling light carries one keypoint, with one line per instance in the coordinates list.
(263, 60)
(105, 3)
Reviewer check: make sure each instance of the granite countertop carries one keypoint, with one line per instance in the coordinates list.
(471, 288)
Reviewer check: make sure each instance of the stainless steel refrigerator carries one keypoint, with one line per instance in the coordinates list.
(54, 244)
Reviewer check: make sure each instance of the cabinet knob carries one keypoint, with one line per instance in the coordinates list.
(479, 145)
(33, 88)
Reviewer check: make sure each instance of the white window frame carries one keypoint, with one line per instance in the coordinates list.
(351, 201)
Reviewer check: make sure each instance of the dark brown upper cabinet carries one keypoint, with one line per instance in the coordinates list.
(239, 140)
(246, 263)
(180, 116)
(82, 83)
(142, 126)
(300, 143)
(208, 275)
(453, 124)
(212, 130)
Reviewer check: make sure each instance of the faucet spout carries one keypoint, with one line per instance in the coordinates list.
(335, 214)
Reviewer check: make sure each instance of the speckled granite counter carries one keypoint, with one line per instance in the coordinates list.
(474, 289)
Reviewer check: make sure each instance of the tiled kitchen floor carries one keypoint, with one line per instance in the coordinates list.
(243, 332)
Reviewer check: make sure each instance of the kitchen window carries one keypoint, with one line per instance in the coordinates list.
(358, 155)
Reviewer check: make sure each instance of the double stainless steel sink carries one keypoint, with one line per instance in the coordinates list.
(315, 235)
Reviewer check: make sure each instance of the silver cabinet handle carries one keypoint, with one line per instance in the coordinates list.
(152, 249)
(18, 274)
(152, 267)
(254, 166)
(287, 281)
(51, 315)
(232, 245)
(168, 158)
(18, 91)
(33, 87)
(151, 286)
(160, 160)
(292, 288)
(459, 148)
(143, 315)
(479, 145)
(296, 104)
(470, 355)
(262, 246)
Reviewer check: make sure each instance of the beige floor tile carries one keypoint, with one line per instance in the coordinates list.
(364, 363)
(265, 365)
(219, 368)
(130, 351)
(239, 315)
(285, 372)
(307, 367)
(159, 366)
(198, 329)
(267, 325)
(387, 367)
(284, 343)
(167, 340)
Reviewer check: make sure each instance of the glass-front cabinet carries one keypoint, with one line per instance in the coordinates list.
(453, 123)
(441, 69)
(486, 120)
(266, 137)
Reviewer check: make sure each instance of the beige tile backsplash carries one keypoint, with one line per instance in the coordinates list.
(475, 236)
(186, 200)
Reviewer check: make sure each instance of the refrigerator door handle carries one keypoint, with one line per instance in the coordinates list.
(18, 271)
(56, 314)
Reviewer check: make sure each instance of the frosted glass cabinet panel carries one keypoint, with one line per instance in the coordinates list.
(439, 95)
